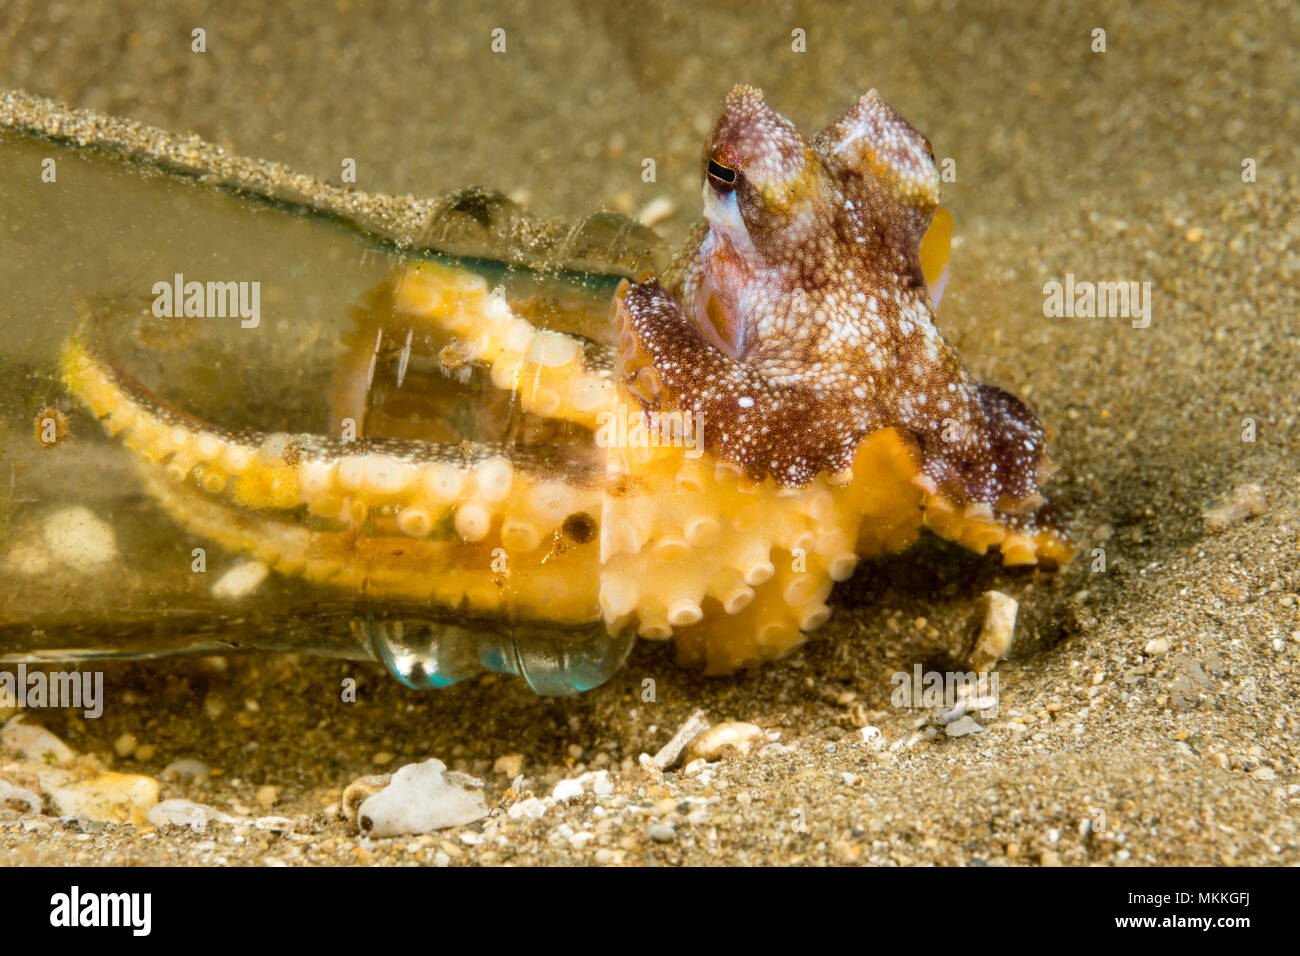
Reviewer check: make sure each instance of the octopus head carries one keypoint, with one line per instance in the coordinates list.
(765, 187)
(789, 216)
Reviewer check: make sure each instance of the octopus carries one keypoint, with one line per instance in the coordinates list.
(773, 408)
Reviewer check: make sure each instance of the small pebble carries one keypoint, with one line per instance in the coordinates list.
(509, 765)
(241, 579)
(1156, 646)
(1245, 501)
(108, 798)
(662, 832)
(532, 809)
(566, 790)
(963, 726)
(35, 743)
(656, 210)
(77, 538)
(186, 769)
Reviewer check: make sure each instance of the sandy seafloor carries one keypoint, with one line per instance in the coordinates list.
(1123, 165)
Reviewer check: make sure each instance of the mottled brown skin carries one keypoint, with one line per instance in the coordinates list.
(797, 319)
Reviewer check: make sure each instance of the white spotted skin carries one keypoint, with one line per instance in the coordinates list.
(797, 319)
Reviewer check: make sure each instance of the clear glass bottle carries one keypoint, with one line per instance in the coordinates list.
(93, 559)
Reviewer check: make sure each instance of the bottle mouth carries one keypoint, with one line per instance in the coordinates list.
(428, 654)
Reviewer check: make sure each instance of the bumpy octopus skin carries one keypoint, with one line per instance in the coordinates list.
(800, 320)
(797, 330)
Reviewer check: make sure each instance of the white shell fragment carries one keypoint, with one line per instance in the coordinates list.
(731, 736)
(997, 629)
(186, 813)
(422, 797)
(10, 794)
(963, 726)
(31, 742)
(667, 755)
(197, 816)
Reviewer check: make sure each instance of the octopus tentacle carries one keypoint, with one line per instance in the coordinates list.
(554, 374)
(762, 579)
(388, 517)
(555, 585)
(752, 573)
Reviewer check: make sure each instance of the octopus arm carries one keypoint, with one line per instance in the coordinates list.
(384, 518)
(783, 435)
(551, 372)
(982, 471)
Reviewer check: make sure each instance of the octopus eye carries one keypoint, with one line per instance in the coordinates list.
(721, 178)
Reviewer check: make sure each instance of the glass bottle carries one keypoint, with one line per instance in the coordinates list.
(94, 561)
